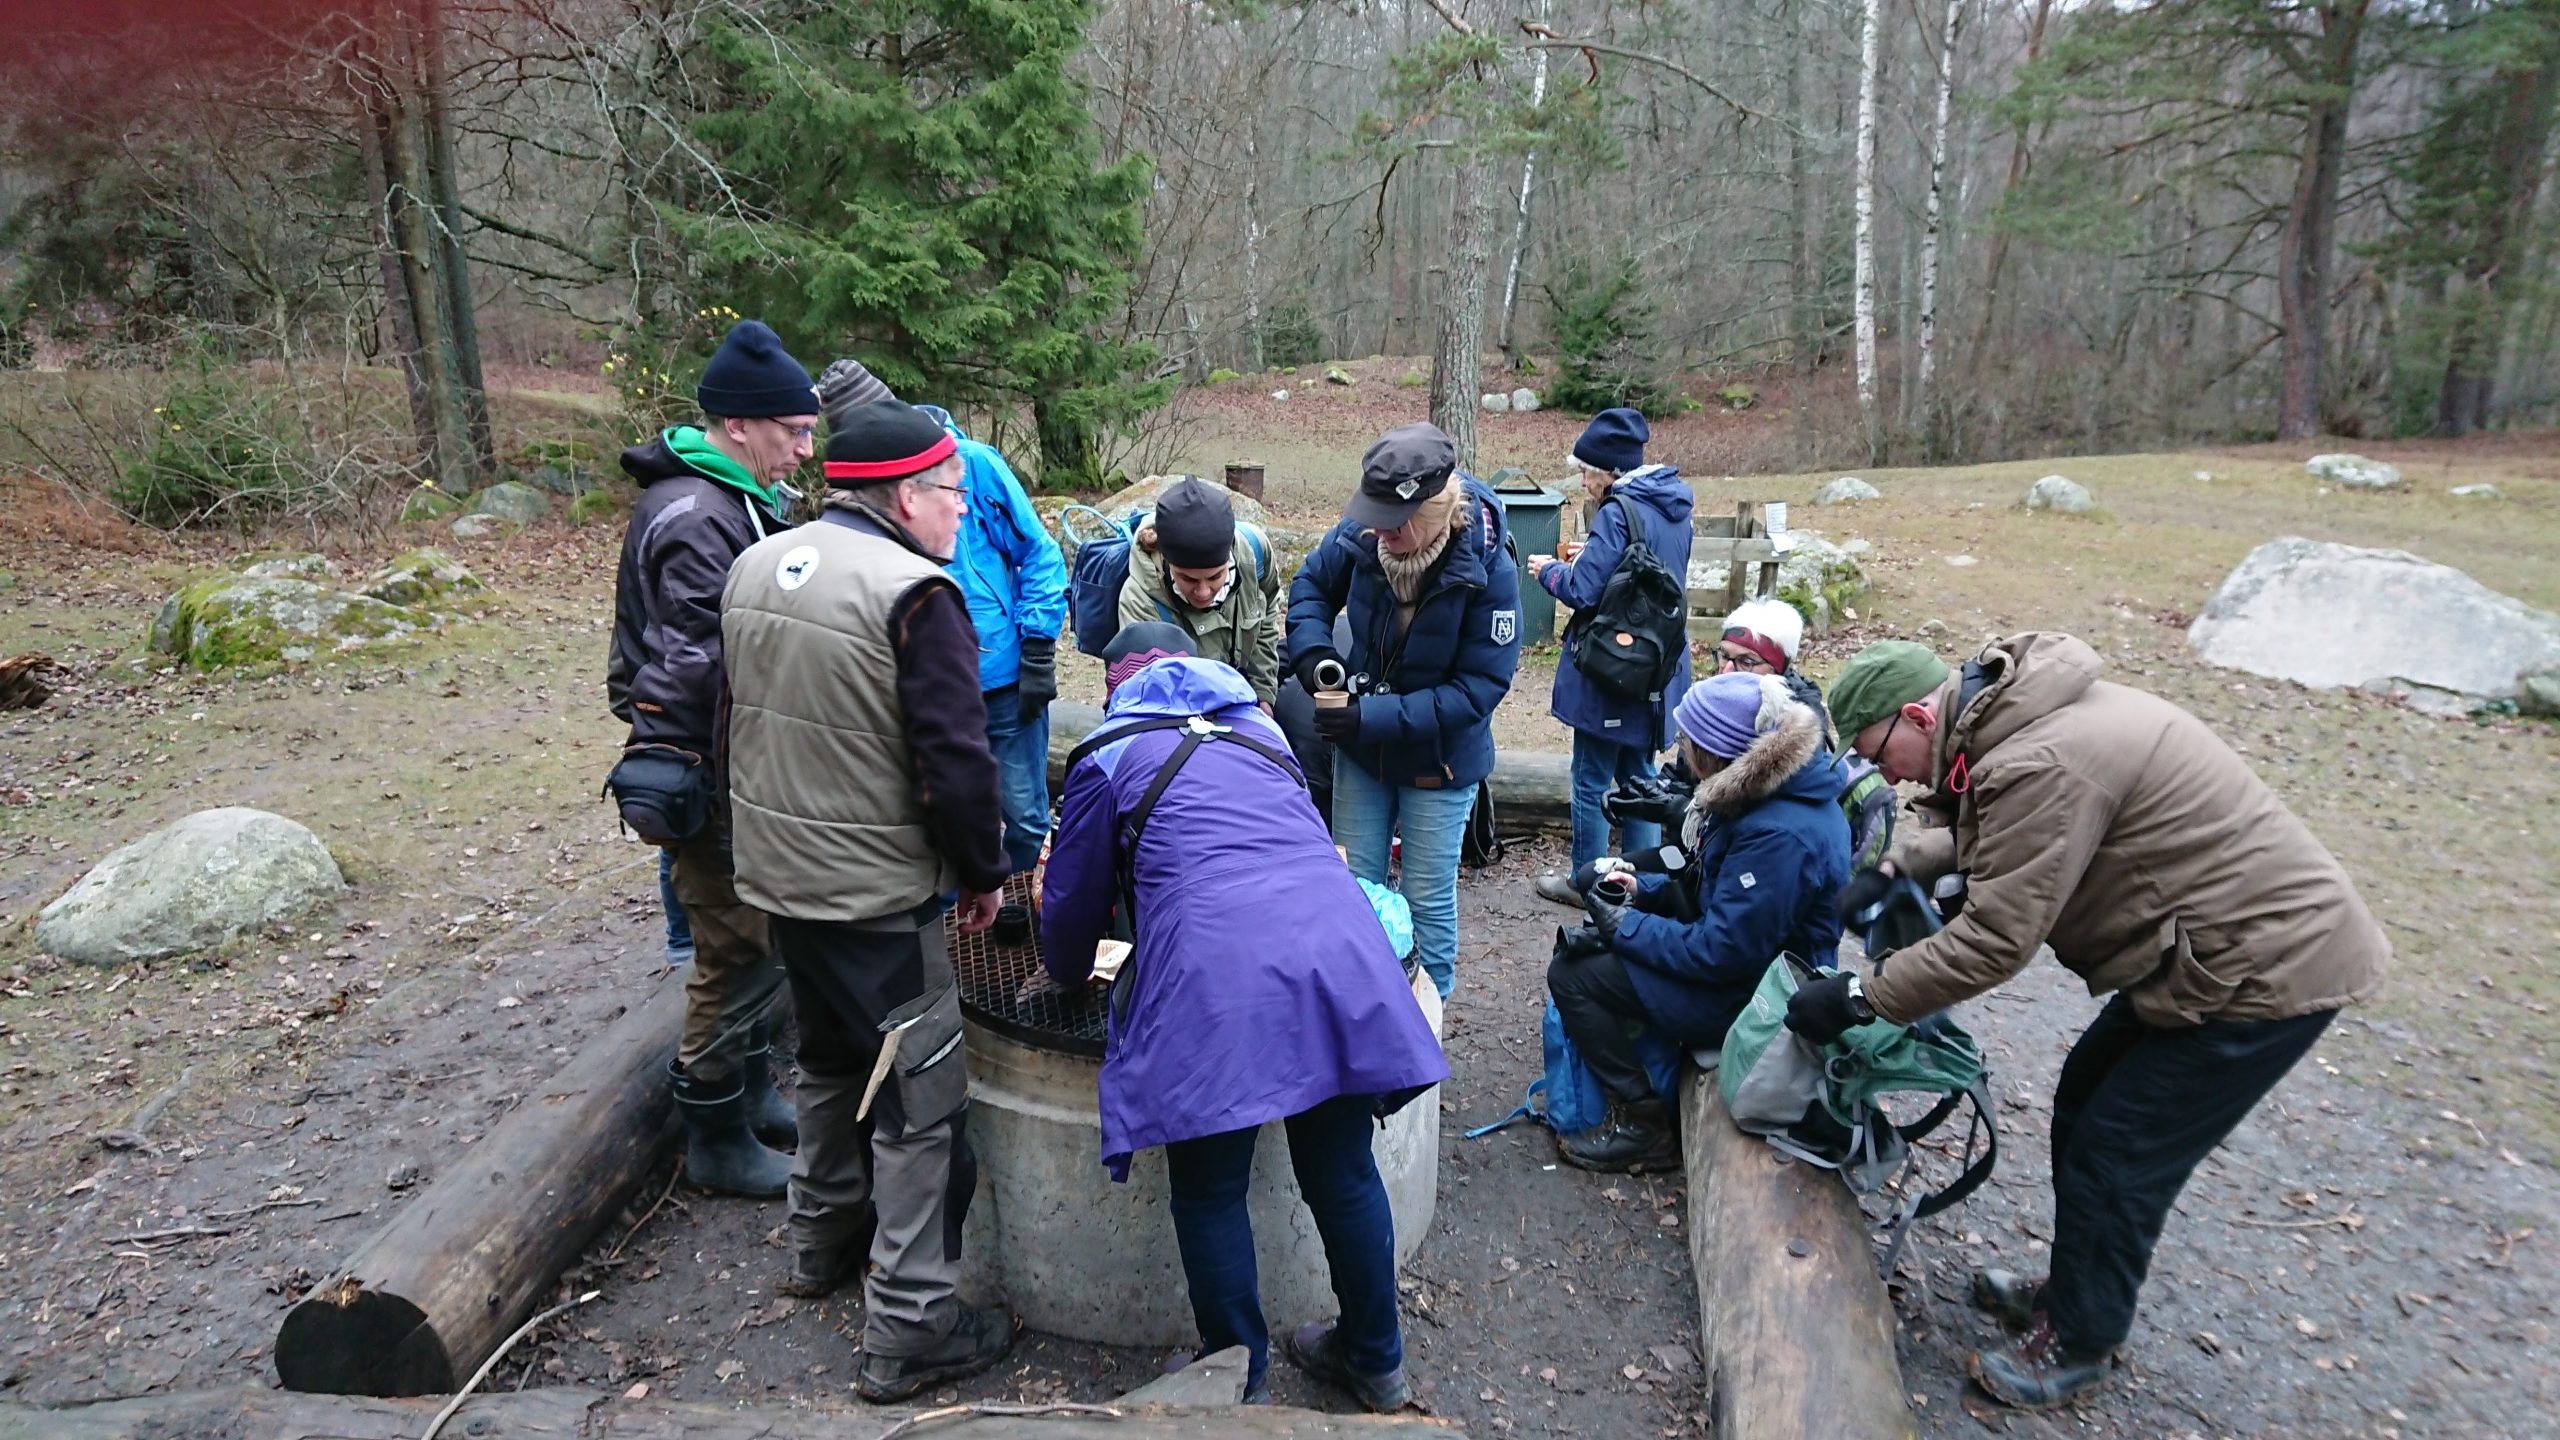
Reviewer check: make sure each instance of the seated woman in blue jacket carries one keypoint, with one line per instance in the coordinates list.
(1683, 952)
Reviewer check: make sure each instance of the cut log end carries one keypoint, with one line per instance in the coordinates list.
(344, 1339)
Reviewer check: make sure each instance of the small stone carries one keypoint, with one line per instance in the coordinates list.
(2204, 475)
(1279, 394)
(479, 527)
(402, 1176)
(1524, 401)
(2477, 492)
(2355, 472)
(1933, 627)
(1846, 490)
(1336, 375)
(2061, 495)
(1496, 404)
(1962, 562)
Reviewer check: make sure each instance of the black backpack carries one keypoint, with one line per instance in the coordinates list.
(1629, 643)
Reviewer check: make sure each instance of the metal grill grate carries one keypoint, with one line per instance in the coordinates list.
(997, 990)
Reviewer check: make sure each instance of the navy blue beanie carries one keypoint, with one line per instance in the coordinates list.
(1613, 441)
(752, 376)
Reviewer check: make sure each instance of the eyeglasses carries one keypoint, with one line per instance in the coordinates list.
(796, 432)
(1887, 738)
(960, 490)
(1746, 659)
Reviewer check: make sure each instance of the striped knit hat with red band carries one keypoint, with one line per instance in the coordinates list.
(883, 441)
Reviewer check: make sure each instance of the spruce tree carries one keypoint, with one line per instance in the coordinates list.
(916, 183)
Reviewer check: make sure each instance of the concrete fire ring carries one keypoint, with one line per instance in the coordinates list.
(1078, 1256)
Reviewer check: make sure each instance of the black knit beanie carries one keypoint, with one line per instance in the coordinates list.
(883, 441)
(751, 376)
(1195, 525)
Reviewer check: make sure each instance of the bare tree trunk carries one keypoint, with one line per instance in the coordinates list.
(2021, 153)
(2515, 162)
(1252, 250)
(371, 139)
(447, 440)
(1807, 284)
(1870, 416)
(453, 265)
(1928, 326)
(1520, 212)
(1458, 365)
(2305, 244)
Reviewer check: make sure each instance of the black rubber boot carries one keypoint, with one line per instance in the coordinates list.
(1316, 1348)
(2011, 1297)
(980, 1339)
(1634, 1138)
(2037, 1371)
(720, 1153)
(768, 1114)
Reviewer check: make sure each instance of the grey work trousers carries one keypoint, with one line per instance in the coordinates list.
(909, 1156)
(735, 978)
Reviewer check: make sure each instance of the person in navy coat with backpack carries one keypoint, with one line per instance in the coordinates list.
(1420, 564)
(1615, 737)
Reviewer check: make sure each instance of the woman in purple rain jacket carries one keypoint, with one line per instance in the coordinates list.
(1262, 988)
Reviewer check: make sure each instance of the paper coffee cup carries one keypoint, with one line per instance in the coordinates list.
(1332, 699)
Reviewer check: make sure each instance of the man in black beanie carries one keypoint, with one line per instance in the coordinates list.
(707, 493)
(1197, 567)
(865, 792)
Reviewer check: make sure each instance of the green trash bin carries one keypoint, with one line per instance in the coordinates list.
(1536, 516)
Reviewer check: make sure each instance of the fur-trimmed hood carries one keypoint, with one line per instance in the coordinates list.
(1788, 755)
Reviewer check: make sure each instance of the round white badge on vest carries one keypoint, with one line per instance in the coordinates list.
(796, 567)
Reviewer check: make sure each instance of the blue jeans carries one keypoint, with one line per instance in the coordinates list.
(1598, 765)
(1338, 1176)
(1022, 754)
(1367, 813)
(679, 930)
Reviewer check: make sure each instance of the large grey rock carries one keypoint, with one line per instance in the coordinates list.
(419, 576)
(512, 501)
(1336, 375)
(189, 886)
(1524, 401)
(1143, 496)
(427, 503)
(2354, 472)
(1846, 490)
(479, 527)
(1495, 403)
(2060, 494)
(2336, 615)
(248, 620)
(1819, 578)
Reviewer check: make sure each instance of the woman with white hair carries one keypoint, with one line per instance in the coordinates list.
(1683, 952)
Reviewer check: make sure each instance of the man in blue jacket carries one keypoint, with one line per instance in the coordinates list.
(1419, 563)
(1681, 954)
(1010, 571)
(1615, 737)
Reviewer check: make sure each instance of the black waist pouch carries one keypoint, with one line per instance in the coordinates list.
(664, 794)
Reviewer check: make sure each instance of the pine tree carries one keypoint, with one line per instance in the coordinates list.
(916, 183)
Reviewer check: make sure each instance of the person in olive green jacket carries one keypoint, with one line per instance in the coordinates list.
(2117, 828)
(1197, 567)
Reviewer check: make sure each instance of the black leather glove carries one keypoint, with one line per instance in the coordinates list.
(1822, 1010)
(1589, 871)
(1579, 941)
(1863, 890)
(1608, 900)
(1039, 681)
(1305, 669)
(1641, 800)
(1339, 724)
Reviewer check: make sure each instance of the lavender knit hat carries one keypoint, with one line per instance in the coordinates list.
(1723, 714)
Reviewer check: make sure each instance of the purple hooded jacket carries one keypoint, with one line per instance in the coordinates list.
(1262, 984)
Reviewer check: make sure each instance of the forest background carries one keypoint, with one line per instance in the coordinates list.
(269, 258)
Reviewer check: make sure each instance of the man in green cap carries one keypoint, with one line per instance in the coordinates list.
(2117, 828)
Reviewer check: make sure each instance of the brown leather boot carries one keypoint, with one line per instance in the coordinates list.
(2037, 1371)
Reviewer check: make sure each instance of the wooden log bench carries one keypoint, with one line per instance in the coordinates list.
(1796, 1328)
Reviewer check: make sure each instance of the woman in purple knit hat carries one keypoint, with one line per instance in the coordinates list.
(1262, 988)
(1680, 954)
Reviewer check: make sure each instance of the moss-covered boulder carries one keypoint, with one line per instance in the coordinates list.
(427, 503)
(514, 502)
(233, 620)
(422, 575)
(594, 507)
(291, 567)
(1821, 579)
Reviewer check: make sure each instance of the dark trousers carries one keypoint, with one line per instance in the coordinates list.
(1338, 1176)
(2136, 1110)
(909, 1156)
(1597, 1002)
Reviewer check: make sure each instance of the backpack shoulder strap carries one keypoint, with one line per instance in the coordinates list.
(1117, 733)
(1261, 552)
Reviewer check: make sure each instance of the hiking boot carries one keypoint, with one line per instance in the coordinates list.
(2037, 1371)
(829, 1268)
(980, 1339)
(1316, 1347)
(773, 1119)
(1632, 1139)
(2010, 1297)
(1559, 889)
(720, 1153)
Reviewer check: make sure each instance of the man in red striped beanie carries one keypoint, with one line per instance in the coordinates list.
(864, 794)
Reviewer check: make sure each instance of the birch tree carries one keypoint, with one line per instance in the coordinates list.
(1870, 412)
(1934, 218)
